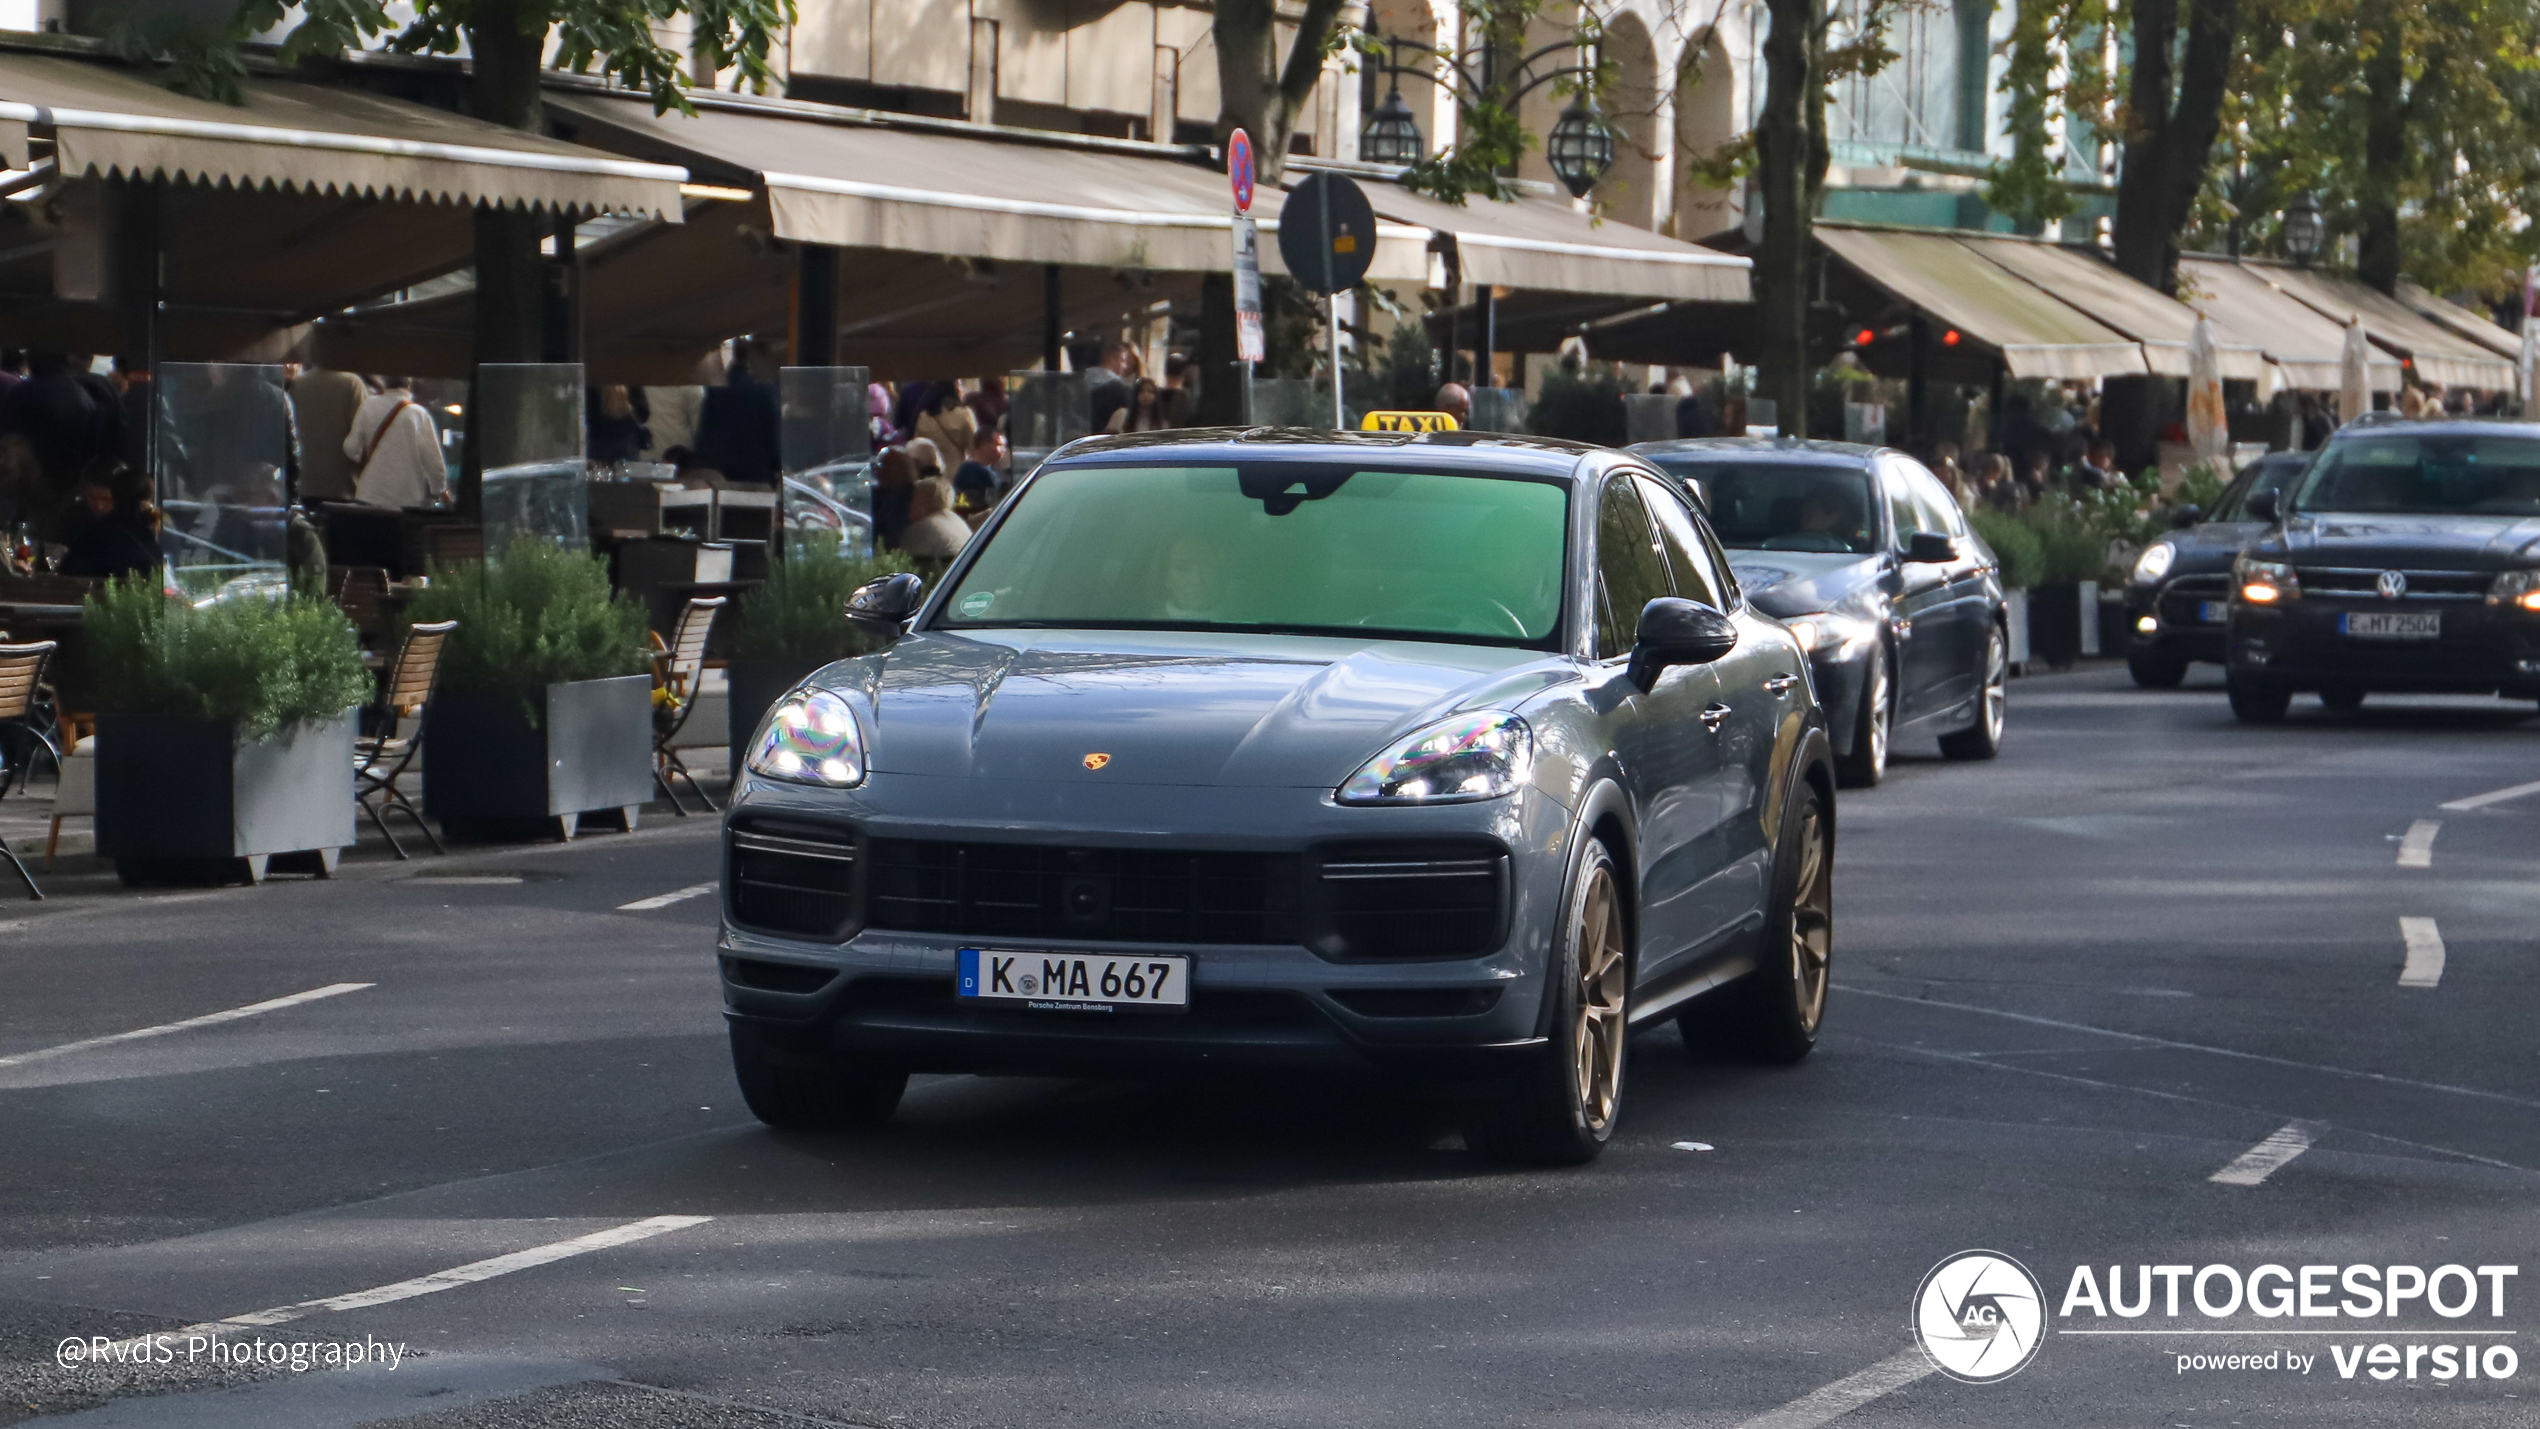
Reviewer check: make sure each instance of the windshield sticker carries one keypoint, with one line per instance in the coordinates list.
(976, 603)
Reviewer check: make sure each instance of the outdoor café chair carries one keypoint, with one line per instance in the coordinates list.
(680, 668)
(23, 717)
(21, 671)
(378, 759)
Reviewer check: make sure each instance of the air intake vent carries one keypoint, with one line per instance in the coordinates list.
(794, 879)
(1412, 900)
(765, 976)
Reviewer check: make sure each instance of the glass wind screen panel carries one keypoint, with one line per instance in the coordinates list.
(529, 435)
(223, 441)
(825, 444)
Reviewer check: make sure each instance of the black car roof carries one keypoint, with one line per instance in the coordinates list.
(1751, 449)
(2383, 423)
(1481, 451)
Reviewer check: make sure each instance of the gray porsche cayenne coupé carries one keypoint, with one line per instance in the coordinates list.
(1455, 754)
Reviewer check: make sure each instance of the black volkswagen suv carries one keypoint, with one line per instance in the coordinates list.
(2407, 558)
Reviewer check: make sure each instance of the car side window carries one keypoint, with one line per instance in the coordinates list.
(1630, 573)
(1902, 522)
(1934, 507)
(1681, 539)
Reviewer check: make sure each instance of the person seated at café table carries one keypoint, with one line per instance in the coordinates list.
(112, 534)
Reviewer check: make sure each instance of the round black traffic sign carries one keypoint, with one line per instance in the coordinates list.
(1327, 233)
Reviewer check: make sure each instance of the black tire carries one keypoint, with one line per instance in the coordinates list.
(1867, 763)
(1561, 1109)
(2256, 701)
(1774, 1013)
(2344, 699)
(1983, 739)
(793, 1088)
(2156, 672)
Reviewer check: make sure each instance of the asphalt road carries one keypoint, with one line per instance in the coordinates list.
(2072, 987)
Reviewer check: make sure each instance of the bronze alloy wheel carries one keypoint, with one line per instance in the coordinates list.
(1812, 921)
(1597, 1036)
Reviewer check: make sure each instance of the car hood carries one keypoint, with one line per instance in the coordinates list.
(2212, 546)
(1798, 582)
(1166, 708)
(2473, 543)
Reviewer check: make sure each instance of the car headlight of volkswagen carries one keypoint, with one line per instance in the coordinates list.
(1462, 759)
(2155, 562)
(1832, 633)
(2519, 589)
(2265, 582)
(810, 738)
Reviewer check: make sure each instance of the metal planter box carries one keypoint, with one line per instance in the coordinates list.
(183, 800)
(491, 773)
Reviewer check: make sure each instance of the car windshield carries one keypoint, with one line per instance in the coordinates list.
(2266, 474)
(1786, 506)
(1288, 546)
(2425, 473)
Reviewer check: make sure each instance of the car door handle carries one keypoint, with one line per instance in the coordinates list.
(1714, 717)
(1780, 684)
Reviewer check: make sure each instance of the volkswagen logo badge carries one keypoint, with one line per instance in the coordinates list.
(2392, 584)
(1980, 1316)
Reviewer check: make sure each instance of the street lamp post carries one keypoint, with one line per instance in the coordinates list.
(1392, 135)
(2304, 229)
(1580, 147)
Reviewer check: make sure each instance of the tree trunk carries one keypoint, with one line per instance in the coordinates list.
(1789, 150)
(510, 274)
(2385, 158)
(1256, 93)
(2170, 141)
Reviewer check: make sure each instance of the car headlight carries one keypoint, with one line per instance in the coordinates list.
(2264, 582)
(810, 738)
(2520, 589)
(2155, 562)
(1463, 759)
(1831, 632)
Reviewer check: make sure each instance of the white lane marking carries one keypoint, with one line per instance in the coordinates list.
(2424, 967)
(451, 1279)
(2417, 849)
(2496, 796)
(189, 1024)
(664, 900)
(1691, 1146)
(2269, 1156)
(1824, 1406)
(2448, 1088)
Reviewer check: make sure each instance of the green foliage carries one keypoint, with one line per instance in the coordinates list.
(1581, 405)
(618, 38)
(533, 616)
(2013, 543)
(1408, 368)
(800, 612)
(260, 665)
(2201, 487)
(2072, 539)
(2054, 80)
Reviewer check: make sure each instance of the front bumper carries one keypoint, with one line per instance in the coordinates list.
(2188, 614)
(2483, 649)
(886, 994)
(1839, 681)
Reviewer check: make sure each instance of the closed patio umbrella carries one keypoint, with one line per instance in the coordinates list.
(2354, 396)
(2208, 424)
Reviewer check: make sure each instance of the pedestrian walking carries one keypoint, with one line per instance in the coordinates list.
(324, 404)
(396, 450)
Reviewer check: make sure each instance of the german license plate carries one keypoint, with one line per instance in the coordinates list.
(1075, 982)
(2391, 625)
(2212, 612)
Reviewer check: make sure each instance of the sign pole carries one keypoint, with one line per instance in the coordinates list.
(1340, 420)
(1248, 340)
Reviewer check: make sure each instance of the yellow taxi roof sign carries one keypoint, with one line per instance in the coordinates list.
(1406, 422)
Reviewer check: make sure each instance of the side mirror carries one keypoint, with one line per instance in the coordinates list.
(2185, 517)
(2263, 505)
(1930, 548)
(1676, 631)
(884, 606)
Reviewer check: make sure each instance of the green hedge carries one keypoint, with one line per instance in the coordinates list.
(261, 665)
(800, 612)
(534, 615)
